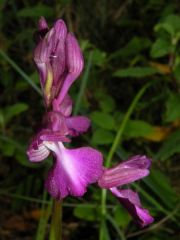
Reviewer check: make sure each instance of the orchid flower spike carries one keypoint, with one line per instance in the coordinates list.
(133, 169)
(59, 60)
(73, 170)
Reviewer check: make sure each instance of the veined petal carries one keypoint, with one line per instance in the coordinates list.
(44, 48)
(58, 51)
(37, 152)
(49, 56)
(137, 161)
(130, 200)
(77, 125)
(75, 63)
(73, 170)
(41, 57)
(124, 176)
(126, 172)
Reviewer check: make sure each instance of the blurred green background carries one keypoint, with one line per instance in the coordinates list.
(126, 45)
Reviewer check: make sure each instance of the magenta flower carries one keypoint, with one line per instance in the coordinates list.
(72, 171)
(76, 125)
(127, 172)
(59, 60)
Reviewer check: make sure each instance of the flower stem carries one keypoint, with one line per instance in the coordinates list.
(56, 222)
(113, 148)
(123, 124)
(20, 71)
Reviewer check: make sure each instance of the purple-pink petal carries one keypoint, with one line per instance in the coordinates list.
(44, 48)
(42, 24)
(59, 60)
(54, 137)
(126, 172)
(137, 161)
(130, 200)
(57, 56)
(75, 63)
(77, 125)
(49, 56)
(37, 151)
(73, 170)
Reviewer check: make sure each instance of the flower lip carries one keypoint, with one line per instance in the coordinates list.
(73, 170)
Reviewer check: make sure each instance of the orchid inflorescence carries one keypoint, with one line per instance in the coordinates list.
(59, 62)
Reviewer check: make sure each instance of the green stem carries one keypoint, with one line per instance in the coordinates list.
(20, 71)
(46, 211)
(123, 124)
(113, 149)
(116, 227)
(56, 222)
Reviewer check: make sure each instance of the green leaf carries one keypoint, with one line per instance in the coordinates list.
(177, 73)
(171, 24)
(105, 230)
(35, 78)
(86, 213)
(133, 47)
(160, 48)
(103, 120)
(172, 108)
(107, 104)
(98, 57)
(2, 120)
(137, 128)
(14, 110)
(121, 216)
(7, 149)
(170, 146)
(36, 11)
(137, 72)
(160, 184)
(102, 137)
